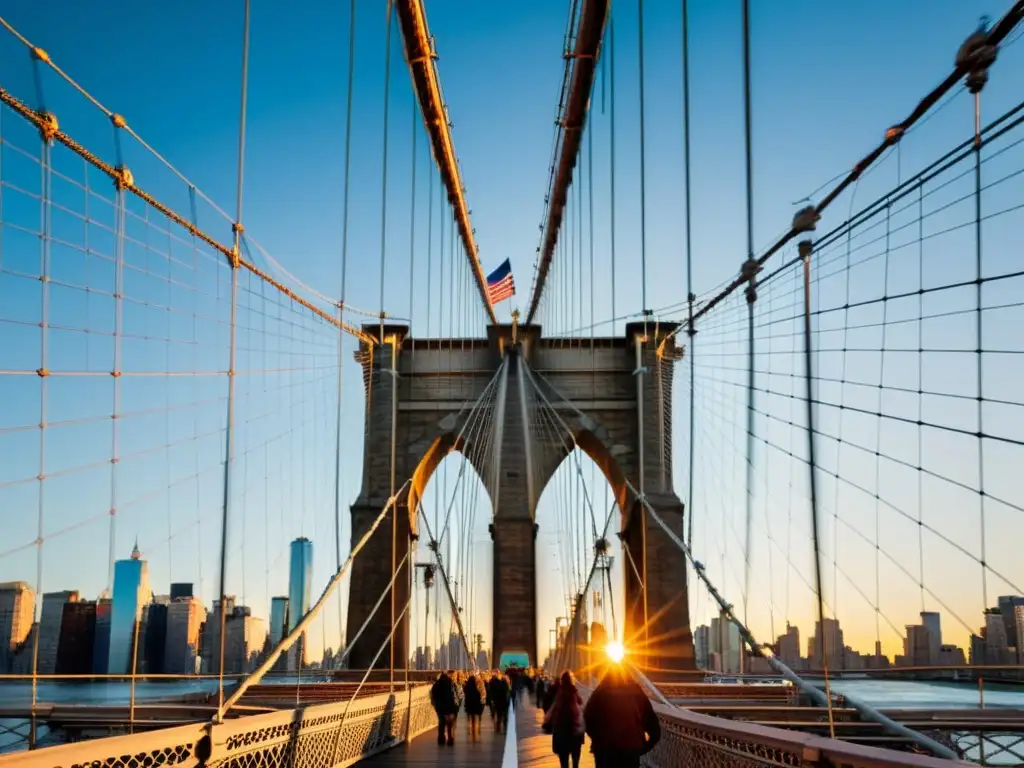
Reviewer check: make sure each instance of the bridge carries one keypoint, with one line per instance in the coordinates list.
(672, 459)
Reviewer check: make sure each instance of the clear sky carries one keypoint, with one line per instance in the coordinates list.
(827, 81)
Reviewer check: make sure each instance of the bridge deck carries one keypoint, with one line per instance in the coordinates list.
(424, 749)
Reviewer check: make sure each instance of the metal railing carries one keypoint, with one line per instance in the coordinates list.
(688, 738)
(335, 734)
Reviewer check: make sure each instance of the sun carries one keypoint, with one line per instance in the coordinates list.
(615, 650)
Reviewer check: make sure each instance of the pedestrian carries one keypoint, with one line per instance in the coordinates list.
(474, 704)
(564, 721)
(499, 694)
(620, 721)
(445, 699)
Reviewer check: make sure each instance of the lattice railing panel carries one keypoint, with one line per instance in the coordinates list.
(336, 734)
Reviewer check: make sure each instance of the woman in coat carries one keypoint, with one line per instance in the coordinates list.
(473, 689)
(564, 721)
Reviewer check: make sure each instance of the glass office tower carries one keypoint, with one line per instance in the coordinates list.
(131, 593)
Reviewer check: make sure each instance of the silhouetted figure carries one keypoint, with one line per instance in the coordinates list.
(498, 692)
(445, 698)
(564, 721)
(620, 721)
(474, 703)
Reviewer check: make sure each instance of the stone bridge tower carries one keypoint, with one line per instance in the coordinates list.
(598, 393)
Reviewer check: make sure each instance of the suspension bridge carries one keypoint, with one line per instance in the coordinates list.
(826, 439)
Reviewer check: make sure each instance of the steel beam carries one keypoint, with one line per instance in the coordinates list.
(582, 66)
(420, 55)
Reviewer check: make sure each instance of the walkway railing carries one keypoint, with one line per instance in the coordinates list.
(318, 736)
(689, 738)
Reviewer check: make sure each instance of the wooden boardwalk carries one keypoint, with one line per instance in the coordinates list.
(535, 745)
(424, 749)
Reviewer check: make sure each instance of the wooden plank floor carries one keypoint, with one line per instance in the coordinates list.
(424, 749)
(535, 745)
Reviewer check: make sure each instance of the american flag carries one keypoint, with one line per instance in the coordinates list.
(500, 285)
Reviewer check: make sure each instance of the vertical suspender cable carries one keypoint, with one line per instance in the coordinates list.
(641, 344)
(689, 257)
(380, 338)
(750, 270)
(229, 432)
(611, 152)
(805, 251)
(979, 330)
(344, 279)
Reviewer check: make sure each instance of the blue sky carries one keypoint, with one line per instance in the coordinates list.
(827, 81)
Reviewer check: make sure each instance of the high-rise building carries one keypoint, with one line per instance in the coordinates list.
(101, 642)
(131, 593)
(996, 646)
(917, 646)
(17, 606)
(210, 645)
(1018, 625)
(278, 619)
(933, 622)
(50, 618)
(725, 644)
(702, 646)
(834, 645)
(245, 635)
(789, 647)
(300, 576)
(1007, 604)
(77, 638)
(153, 637)
(185, 618)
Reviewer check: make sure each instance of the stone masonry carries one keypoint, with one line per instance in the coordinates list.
(429, 401)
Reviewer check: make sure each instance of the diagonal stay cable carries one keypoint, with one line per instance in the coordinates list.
(286, 642)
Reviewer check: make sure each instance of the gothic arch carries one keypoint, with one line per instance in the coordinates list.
(438, 450)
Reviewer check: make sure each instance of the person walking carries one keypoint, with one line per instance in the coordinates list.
(445, 699)
(498, 693)
(474, 704)
(620, 721)
(564, 721)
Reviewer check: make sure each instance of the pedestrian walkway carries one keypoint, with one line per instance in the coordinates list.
(424, 749)
(534, 744)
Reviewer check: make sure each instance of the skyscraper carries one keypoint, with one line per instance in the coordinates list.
(278, 619)
(77, 639)
(300, 574)
(101, 636)
(245, 635)
(210, 644)
(17, 601)
(50, 619)
(131, 593)
(933, 622)
(185, 617)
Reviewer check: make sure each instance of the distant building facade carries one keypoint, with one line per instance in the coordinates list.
(131, 593)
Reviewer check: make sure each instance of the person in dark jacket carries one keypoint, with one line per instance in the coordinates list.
(473, 689)
(498, 692)
(620, 721)
(445, 699)
(564, 721)
(541, 686)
